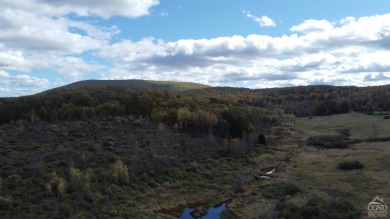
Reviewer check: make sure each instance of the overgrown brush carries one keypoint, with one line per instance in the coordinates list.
(350, 165)
(328, 141)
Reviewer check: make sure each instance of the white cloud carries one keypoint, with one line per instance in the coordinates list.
(309, 26)
(101, 8)
(11, 59)
(71, 67)
(4, 74)
(36, 36)
(28, 81)
(104, 8)
(22, 29)
(21, 84)
(263, 21)
(342, 54)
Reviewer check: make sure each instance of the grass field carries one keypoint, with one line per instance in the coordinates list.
(315, 170)
(357, 123)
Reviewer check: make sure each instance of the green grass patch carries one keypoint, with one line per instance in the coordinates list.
(359, 125)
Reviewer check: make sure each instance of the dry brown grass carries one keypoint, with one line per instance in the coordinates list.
(316, 172)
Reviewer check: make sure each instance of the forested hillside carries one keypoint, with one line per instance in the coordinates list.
(192, 109)
(195, 114)
(306, 100)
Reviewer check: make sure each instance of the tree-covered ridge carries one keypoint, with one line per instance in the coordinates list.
(306, 100)
(134, 83)
(198, 115)
(196, 110)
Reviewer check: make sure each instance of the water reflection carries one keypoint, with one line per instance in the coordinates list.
(212, 213)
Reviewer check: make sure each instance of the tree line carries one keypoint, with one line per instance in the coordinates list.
(198, 115)
(226, 112)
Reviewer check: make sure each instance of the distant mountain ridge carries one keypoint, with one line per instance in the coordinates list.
(135, 83)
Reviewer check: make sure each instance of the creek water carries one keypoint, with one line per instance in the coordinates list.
(212, 212)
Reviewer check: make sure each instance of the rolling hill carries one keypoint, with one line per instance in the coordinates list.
(134, 83)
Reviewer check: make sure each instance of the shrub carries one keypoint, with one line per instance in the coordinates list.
(328, 141)
(138, 123)
(5, 203)
(113, 190)
(239, 184)
(280, 190)
(261, 139)
(81, 179)
(120, 172)
(317, 208)
(350, 165)
(345, 132)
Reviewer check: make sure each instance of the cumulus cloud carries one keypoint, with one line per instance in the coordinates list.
(43, 25)
(72, 67)
(263, 21)
(339, 53)
(4, 74)
(11, 59)
(23, 84)
(104, 8)
(375, 77)
(101, 8)
(309, 26)
(22, 29)
(28, 81)
(41, 35)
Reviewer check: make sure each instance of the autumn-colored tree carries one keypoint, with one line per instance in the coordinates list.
(183, 116)
(120, 173)
(81, 179)
(56, 186)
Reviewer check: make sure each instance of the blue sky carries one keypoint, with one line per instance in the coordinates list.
(245, 43)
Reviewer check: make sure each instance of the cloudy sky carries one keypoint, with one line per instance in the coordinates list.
(246, 43)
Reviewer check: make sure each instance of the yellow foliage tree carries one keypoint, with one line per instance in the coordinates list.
(120, 172)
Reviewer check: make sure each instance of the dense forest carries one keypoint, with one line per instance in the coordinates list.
(117, 151)
(198, 115)
(221, 110)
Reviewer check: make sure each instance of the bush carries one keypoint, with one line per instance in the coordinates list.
(345, 132)
(317, 208)
(239, 184)
(328, 141)
(280, 190)
(350, 165)
(5, 203)
(261, 139)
